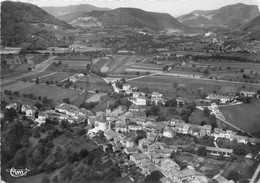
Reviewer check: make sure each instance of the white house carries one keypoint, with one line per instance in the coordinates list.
(168, 133)
(29, 110)
(126, 87)
(156, 95)
(141, 101)
(13, 105)
(42, 116)
(136, 94)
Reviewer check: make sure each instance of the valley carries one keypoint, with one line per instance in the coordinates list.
(100, 94)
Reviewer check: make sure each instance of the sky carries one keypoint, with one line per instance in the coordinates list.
(173, 7)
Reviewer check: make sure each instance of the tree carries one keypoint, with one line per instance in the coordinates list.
(154, 177)
(242, 70)
(37, 157)
(45, 180)
(172, 111)
(206, 112)
(36, 133)
(137, 73)
(228, 68)
(75, 86)
(37, 80)
(147, 73)
(175, 85)
(66, 100)
(202, 151)
(100, 133)
(47, 82)
(165, 67)
(240, 149)
(10, 114)
(66, 172)
(83, 153)
(55, 179)
(202, 123)
(73, 157)
(16, 93)
(213, 121)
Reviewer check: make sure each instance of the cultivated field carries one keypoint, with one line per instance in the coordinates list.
(164, 84)
(95, 97)
(52, 92)
(244, 116)
(17, 86)
(56, 77)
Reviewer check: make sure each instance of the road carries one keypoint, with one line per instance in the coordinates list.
(38, 69)
(189, 76)
(253, 179)
(44, 65)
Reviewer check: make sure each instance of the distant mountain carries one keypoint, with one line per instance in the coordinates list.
(253, 25)
(133, 17)
(229, 16)
(64, 12)
(24, 22)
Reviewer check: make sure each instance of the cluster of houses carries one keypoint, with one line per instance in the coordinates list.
(138, 98)
(149, 154)
(222, 98)
(76, 77)
(64, 111)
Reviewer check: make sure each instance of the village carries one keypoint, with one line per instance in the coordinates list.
(135, 139)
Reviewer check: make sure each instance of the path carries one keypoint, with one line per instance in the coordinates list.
(38, 69)
(131, 79)
(253, 179)
(44, 65)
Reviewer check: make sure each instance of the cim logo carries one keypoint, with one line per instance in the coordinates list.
(17, 172)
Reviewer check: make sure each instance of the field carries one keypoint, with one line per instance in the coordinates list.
(17, 86)
(56, 77)
(52, 92)
(245, 116)
(197, 116)
(164, 84)
(82, 98)
(95, 97)
(31, 77)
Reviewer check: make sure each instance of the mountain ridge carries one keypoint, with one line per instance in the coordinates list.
(134, 17)
(228, 16)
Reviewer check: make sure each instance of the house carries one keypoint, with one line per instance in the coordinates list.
(29, 110)
(156, 95)
(164, 152)
(126, 87)
(174, 121)
(247, 93)
(151, 137)
(169, 133)
(131, 150)
(129, 142)
(143, 144)
(116, 112)
(13, 105)
(68, 109)
(137, 157)
(136, 94)
(140, 100)
(219, 151)
(134, 127)
(220, 179)
(121, 127)
(110, 134)
(168, 164)
(129, 91)
(242, 139)
(136, 108)
(42, 116)
(185, 175)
